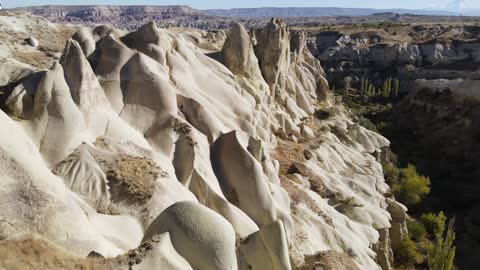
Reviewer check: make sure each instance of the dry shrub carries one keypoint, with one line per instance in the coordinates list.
(134, 177)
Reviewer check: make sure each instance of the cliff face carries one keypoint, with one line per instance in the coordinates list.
(399, 45)
(137, 138)
(404, 52)
(438, 123)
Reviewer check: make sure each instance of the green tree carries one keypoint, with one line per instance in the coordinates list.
(412, 187)
(391, 173)
(407, 253)
(433, 222)
(416, 230)
(370, 89)
(442, 252)
(384, 89)
(347, 86)
(387, 87)
(363, 86)
(396, 87)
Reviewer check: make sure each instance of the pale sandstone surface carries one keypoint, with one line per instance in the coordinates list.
(142, 135)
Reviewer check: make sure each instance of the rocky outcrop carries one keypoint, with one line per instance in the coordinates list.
(238, 54)
(204, 238)
(142, 135)
(405, 53)
(32, 42)
(265, 249)
(375, 47)
(273, 51)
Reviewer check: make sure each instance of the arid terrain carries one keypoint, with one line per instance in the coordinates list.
(132, 17)
(164, 137)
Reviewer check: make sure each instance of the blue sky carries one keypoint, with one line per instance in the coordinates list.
(205, 4)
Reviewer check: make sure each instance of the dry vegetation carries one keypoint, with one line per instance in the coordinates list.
(134, 177)
(35, 59)
(329, 260)
(34, 253)
(287, 153)
(31, 253)
(51, 42)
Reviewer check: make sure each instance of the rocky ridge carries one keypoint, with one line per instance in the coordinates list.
(133, 137)
(404, 52)
(124, 17)
(132, 17)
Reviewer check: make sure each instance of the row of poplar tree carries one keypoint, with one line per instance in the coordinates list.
(389, 90)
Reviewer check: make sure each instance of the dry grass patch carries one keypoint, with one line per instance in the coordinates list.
(329, 260)
(35, 58)
(51, 40)
(134, 177)
(287, 153)
(38, 254)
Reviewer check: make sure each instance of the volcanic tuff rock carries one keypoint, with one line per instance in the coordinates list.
(142, 135)
(404, 52)
(28, 43)
(238, 54)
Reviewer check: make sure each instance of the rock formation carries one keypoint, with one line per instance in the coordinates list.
(215, 165)
(407, 53)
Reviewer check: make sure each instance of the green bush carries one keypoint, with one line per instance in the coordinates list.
(353, 105)
(412, 187)
(416, 230)
(391, 173)
(384, 126)
(433, 222)
(366, 123)
(442, 252)
(322, 114)
(406, 254)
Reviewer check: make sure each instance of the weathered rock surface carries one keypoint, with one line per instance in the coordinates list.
(204, 238)
(407, 53)
(146, 135)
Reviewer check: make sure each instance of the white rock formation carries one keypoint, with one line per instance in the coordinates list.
(32, 42)
(204, 238)
(158, 137)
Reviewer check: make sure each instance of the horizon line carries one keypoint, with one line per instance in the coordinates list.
(180, 5)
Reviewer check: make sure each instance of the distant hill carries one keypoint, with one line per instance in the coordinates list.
(123, 17)
(132, 17)
(472, 12)
(289, 12)
(55, 13)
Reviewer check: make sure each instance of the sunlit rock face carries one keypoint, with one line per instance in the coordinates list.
(142, 135)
